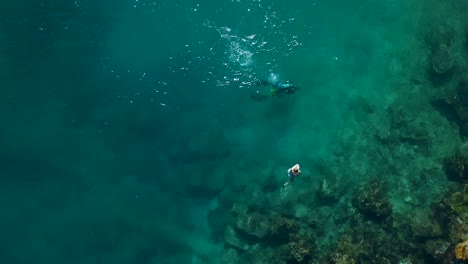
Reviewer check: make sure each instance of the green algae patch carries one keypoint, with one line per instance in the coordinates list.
(458, 201)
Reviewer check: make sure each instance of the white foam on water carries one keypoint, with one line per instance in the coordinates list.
(257, 47)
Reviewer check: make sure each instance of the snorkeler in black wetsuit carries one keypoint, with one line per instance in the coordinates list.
(278, 89)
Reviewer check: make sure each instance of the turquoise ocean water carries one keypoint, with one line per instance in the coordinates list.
(129, 134)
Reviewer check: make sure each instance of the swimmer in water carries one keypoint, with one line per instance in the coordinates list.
(276, 89)
(293, 172)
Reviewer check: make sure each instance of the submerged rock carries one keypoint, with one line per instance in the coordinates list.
(229, 256)
(446, 253)
(458, 202)
(415, 133)
(253, 226)
(300, 249)
(461, 251)
(437, 251)
(427, 228)
(456, 168)
(462, 91)
(453, 104)
(367, 242)
(232, 240)
(440, 34)
(442, 60)
(282, 228)
(276, 255)
(329, 190)
(372, 201)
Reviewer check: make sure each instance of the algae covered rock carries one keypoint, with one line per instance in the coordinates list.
(281, 228)
(446, 253)
(253, 226)
(372, 201)
(437, 250)
(368, 242)
(239, 209)
(461, 251)
(458, 202)
(347, 251)
(256, 227)
(300, 249)
(265, 255)
(427, 227)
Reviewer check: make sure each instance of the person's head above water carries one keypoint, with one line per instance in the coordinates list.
(296, 170)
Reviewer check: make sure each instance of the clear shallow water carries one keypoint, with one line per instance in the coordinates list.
(126, 122)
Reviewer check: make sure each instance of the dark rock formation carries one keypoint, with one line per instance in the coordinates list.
(456, 168)
(462, 92)
(281, 228)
